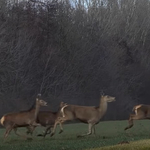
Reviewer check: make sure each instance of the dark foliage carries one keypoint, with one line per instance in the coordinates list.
(71, 51)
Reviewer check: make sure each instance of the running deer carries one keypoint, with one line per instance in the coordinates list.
(22, 119)
(86, 114)
(47, 119)
(141, 112)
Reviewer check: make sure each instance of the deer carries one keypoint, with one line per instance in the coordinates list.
(12, 121)
(47, 119)
(141, 112)
(90, 115)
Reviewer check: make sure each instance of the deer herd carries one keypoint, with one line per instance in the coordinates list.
(90, 115)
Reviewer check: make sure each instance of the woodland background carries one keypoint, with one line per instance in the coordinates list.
(72, 50)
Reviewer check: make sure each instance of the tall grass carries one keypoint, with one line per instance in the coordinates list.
(108, 133)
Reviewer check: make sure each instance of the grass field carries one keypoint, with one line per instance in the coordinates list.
(108, 136)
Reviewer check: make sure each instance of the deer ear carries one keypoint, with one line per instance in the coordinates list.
(102, 93)
(61, 104)
(39, 95)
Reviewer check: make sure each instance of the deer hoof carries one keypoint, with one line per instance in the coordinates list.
(125, 128)
(60, 131)
(79, 136)
(40, 135)
(52, 134)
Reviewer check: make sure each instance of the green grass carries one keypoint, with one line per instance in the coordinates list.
(136, 145)
(108, 135)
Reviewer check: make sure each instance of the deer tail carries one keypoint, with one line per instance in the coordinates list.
(135, 108)
(2, 120)
(62, 110)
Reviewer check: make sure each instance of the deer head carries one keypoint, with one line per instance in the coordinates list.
(108, 98)
(39, 101)
(62, 104)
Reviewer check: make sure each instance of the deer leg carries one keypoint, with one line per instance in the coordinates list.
(61, 128)
(15, 130)
(32, 128)
(133, 117)
(90, 131)
(8, 130)
(54, 128)
(29, 130)
(94, 130)
(59, 120)
(47, 131)
(18, 134)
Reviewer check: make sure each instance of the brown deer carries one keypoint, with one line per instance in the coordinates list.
(86, 114)
(23, 118)
(141, 112)
(47, 119)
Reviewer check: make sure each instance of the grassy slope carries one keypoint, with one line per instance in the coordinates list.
(136, 145)
(108, 134)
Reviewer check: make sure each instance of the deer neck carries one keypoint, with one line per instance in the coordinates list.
(103, 106)
(37, 108)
